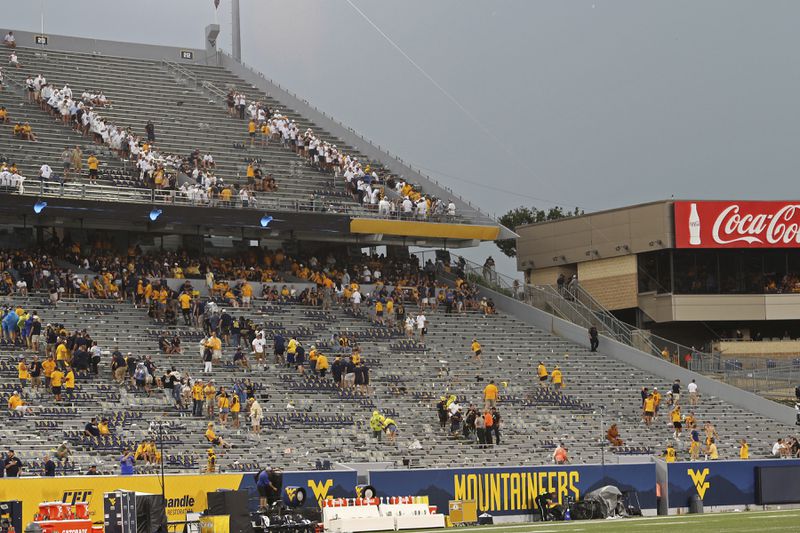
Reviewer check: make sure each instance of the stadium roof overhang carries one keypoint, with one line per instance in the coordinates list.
(77, 213)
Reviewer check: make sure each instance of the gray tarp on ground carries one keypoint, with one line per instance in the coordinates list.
(607, 497)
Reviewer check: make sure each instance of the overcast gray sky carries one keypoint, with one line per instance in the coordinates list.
(590, 103)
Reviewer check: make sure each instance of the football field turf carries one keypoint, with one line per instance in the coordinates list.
(742, 522)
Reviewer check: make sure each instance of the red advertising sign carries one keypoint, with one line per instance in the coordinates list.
(737, 224)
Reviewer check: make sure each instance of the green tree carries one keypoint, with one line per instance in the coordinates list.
(522, 215)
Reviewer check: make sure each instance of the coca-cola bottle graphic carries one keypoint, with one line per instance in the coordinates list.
(694, 226)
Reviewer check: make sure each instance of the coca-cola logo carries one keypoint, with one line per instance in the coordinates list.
(732, 226)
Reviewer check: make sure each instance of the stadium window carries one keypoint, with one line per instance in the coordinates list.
(774, 264)
(730, 272)
(707, 271)
(655, 272)
(793, 262)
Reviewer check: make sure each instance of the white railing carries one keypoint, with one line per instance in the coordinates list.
(284, 203)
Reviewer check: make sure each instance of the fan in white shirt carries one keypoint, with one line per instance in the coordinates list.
(384, 207)
(17, 180)
(259, 344)
(45, 171)
(422, 208)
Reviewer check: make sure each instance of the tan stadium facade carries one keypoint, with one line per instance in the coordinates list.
(691, 269)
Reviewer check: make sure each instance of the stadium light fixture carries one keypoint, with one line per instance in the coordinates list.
(154, 214)
(265, 220)
(39, 206)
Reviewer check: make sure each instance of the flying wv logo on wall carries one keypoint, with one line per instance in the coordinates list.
(699, 480)
(320, 489)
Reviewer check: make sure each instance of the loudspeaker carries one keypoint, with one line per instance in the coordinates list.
(230, 502)
(233, 503)
(151, 513)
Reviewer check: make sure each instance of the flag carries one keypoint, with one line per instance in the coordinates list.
(216, 4)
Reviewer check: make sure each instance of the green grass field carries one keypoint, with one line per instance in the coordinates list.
(751, 521)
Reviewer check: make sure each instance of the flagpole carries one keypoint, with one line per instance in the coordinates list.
(236, 37)
(42, 24)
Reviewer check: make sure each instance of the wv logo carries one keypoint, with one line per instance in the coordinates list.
(112, 501)
(699, 480)
(290, 492)
(320, 489)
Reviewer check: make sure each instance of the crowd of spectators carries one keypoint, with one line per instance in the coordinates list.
(141, 278)
(473, 423)
(10, 178)
(157, 169)
(786, 448)
(69, 356)
(24, 132)
(362, 181)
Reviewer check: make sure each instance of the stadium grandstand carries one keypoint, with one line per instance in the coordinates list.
(202, 270)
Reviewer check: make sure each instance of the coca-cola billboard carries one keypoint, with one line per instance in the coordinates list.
(737, 224)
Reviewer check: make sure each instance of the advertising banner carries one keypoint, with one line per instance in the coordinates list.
(733, 224)
(717, 482)
(319, 485)
(184, 493)
(511, 491)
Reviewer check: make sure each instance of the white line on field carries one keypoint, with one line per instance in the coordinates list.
(665, 520)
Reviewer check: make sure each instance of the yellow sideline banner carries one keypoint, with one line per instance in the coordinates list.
(184, 493)
(424, 229)
(215, 524)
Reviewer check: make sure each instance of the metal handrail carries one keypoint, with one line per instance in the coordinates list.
(778, 381)
(576, 305)
(204, 84)
(607, 323)
(656, 345)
